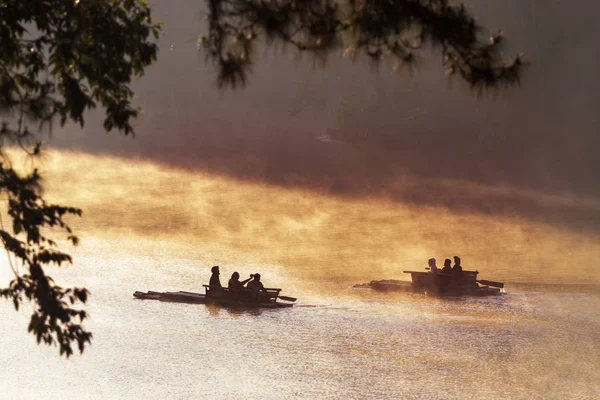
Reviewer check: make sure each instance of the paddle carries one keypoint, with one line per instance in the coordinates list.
(491, 283)
(286, 298)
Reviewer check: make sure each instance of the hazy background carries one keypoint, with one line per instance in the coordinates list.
(351, 131)
(320, 179)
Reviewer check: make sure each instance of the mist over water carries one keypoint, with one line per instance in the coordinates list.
(148, 227)
(316, 237)
(355, 132)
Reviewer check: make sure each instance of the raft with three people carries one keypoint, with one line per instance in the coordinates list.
(440, 284)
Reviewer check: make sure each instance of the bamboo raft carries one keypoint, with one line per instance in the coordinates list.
(466, 284)
(222, 296)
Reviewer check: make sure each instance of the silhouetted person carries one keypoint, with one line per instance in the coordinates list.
(235, 284)
(457, 269)
(214, 278)
(255, 284)
(447, 267)
(432, 267)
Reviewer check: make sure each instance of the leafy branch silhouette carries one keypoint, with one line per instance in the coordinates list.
(378, 29)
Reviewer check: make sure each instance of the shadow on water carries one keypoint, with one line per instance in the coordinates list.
(216, 310)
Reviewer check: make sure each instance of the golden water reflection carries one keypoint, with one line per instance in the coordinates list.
(147, 227)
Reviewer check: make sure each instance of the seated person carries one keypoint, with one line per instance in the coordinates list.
(235, 284)
(447, 268)
(457, 269)
(214, 278)
(432, 267)
(255, 284)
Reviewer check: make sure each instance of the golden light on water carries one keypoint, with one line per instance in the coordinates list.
(315, 237)
(150, 227)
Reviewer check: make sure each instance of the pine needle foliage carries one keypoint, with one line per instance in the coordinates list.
(377, 29)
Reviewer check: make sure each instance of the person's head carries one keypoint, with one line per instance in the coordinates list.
(235, 276)
(447, 262)
(431, 262)
(257, 277)
(215, 269)
(457, 260)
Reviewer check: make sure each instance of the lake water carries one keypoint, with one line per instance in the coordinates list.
(163, 232)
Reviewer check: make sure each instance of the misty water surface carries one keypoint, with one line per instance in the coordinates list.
(165, 231)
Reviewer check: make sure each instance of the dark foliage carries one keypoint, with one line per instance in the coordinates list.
(379, 29)
(59, 58)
